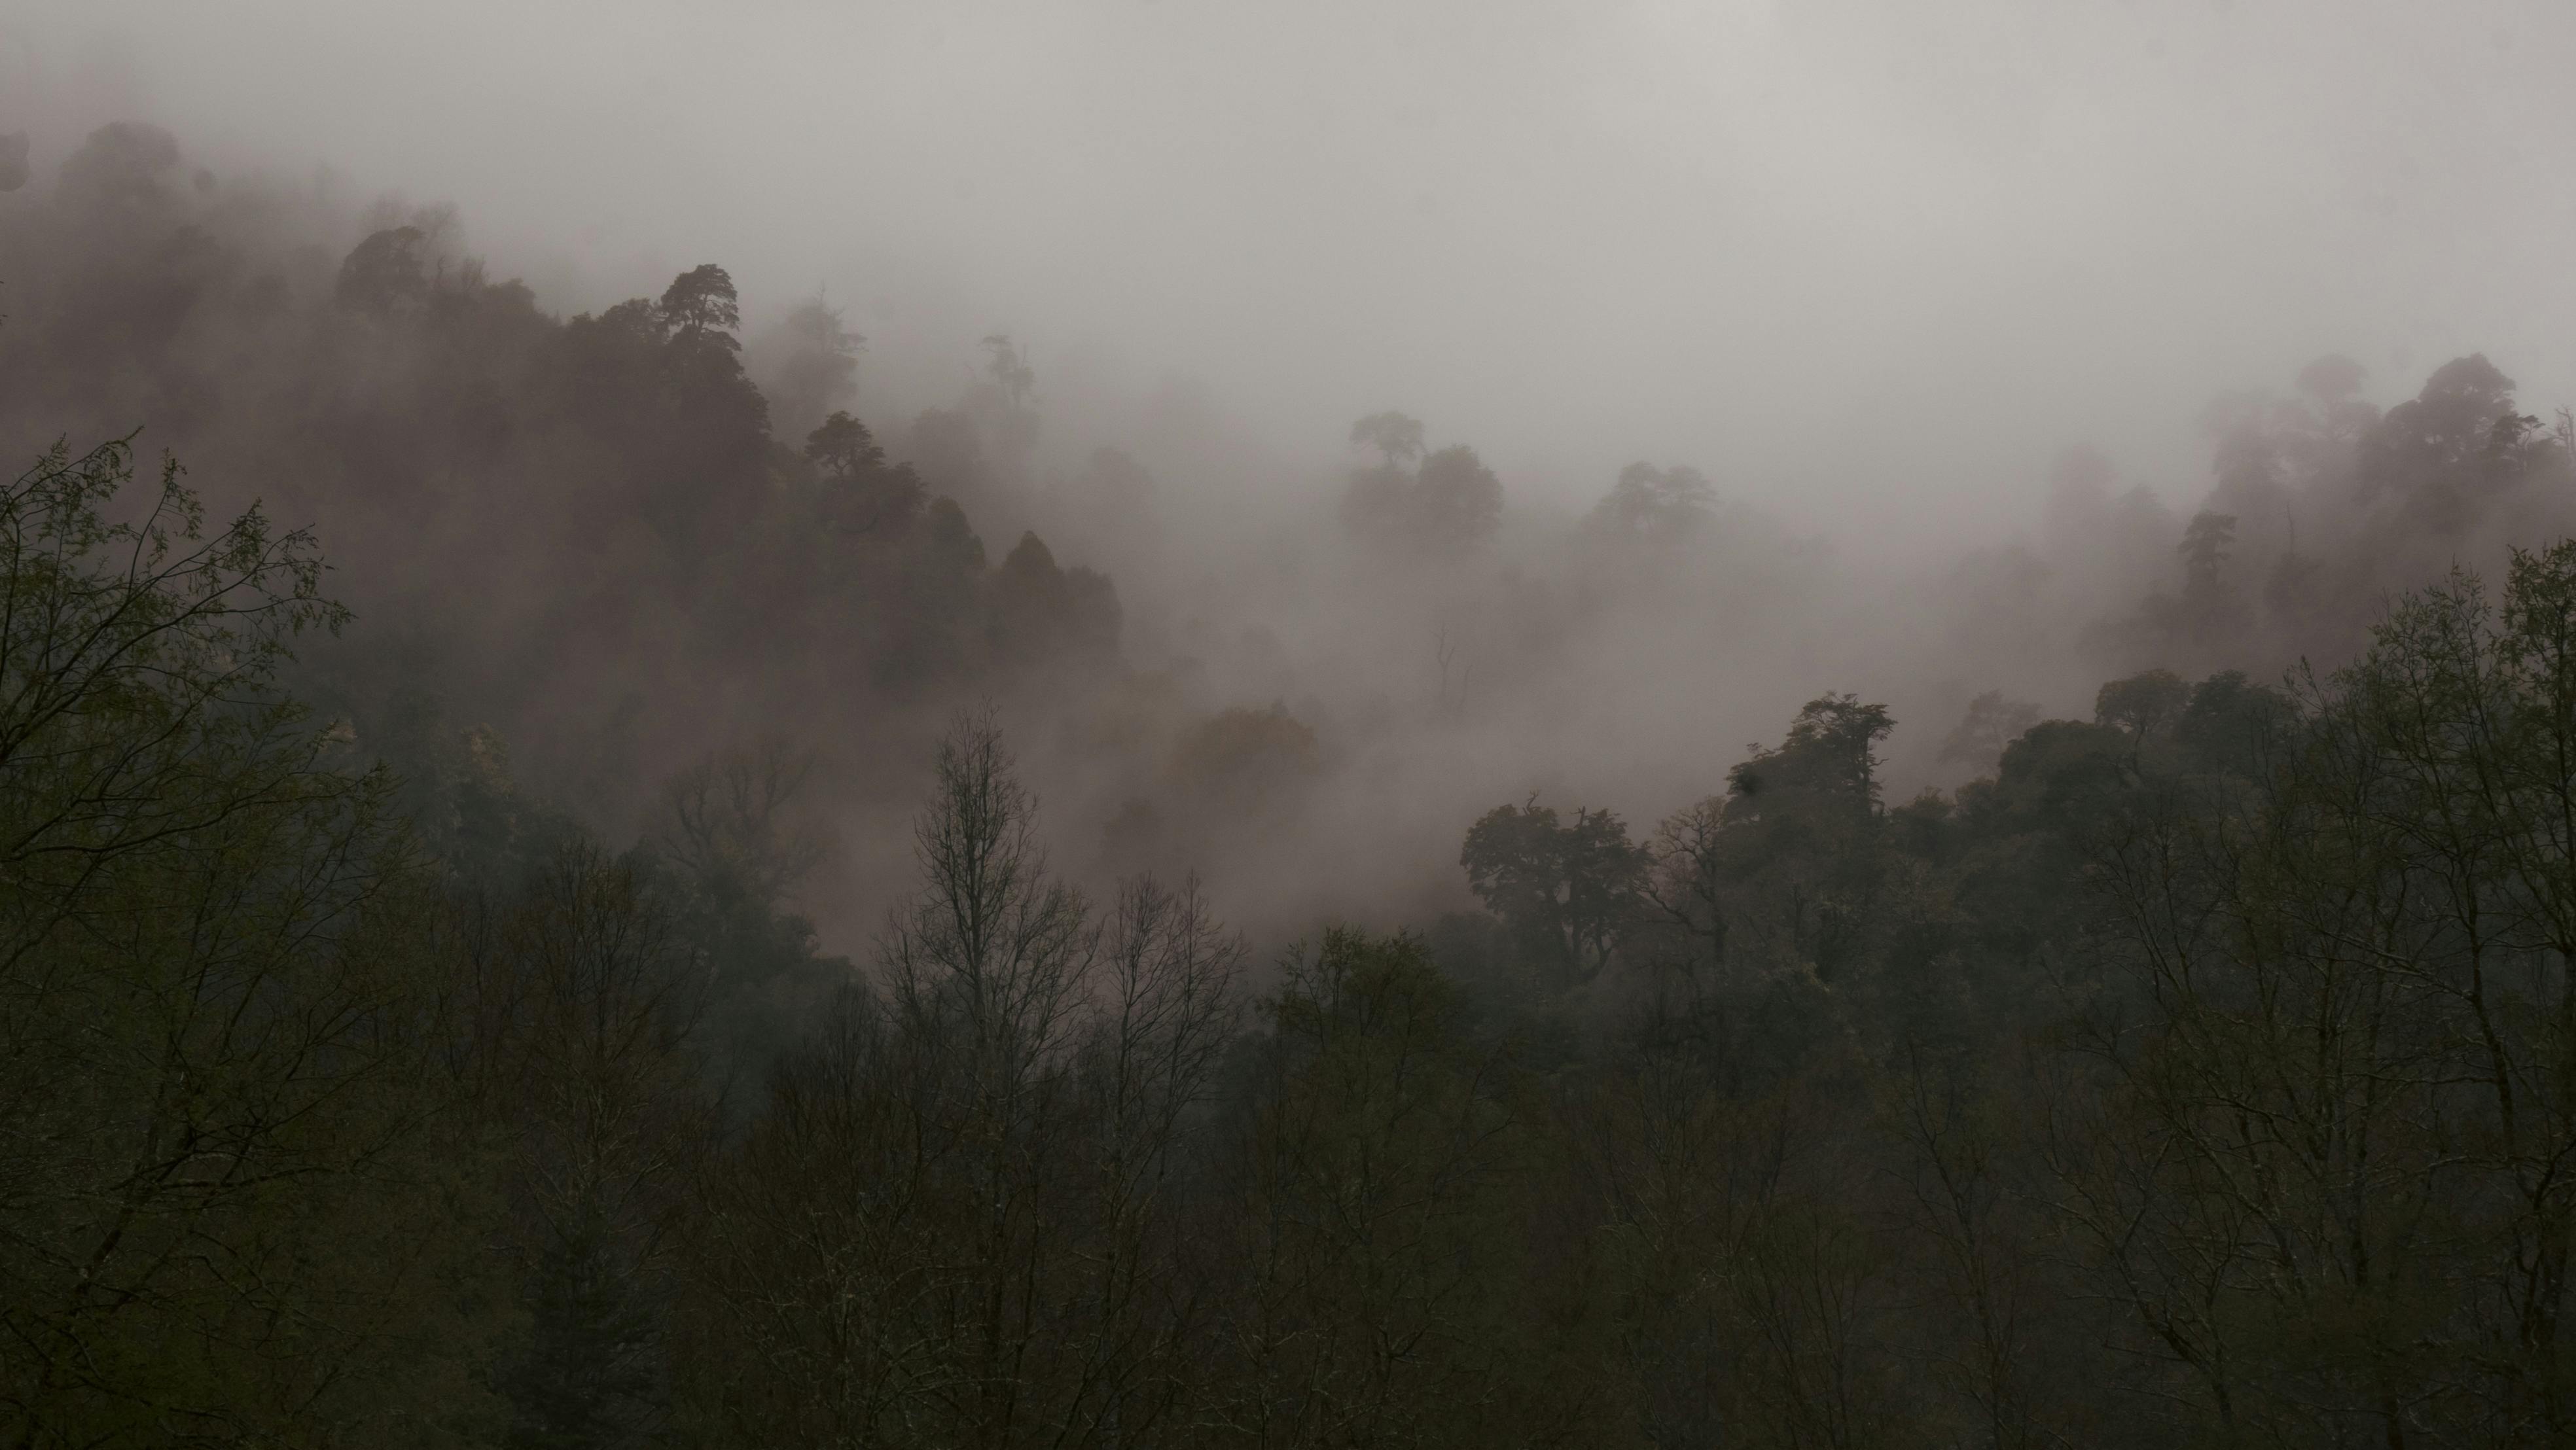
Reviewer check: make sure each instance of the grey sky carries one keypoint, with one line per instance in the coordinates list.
(1868, 259)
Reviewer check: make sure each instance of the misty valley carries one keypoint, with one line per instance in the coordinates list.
(596, 877)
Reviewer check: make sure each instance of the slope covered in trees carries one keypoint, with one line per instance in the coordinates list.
(414, 1028)
(583, 532)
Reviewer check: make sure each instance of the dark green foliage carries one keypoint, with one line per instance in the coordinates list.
(2142, 705)
(1565, 889)
(2232, 725)
(1828, 763)
(700, 303)
(239, 1194)
(842, 447)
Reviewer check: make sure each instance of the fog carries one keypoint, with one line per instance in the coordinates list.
(1288, 725)
(1871, 263)
(1870, 273)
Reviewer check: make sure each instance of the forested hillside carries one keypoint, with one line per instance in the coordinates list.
(555, 892)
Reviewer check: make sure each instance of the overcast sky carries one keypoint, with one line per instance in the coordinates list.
(1873, 260)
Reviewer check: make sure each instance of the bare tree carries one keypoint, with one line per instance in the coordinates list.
(725, 821)
(1164, 1009)
(960, 1222)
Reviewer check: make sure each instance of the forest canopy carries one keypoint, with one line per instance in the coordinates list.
(555, 891)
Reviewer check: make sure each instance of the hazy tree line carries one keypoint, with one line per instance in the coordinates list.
(2203, 1072)
(580, 530)
(620, 537)
(2206, 1074)
(2320, 505)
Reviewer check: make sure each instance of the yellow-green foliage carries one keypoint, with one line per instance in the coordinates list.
(235, 1206)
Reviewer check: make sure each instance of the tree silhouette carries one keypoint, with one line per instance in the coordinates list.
(700, 302)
